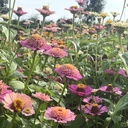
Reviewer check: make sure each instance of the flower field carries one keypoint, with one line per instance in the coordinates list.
(72, 73)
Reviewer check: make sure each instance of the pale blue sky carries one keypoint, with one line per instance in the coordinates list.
(59, 5)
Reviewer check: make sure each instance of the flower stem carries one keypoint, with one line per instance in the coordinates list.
(18, 20)
(30, 72)
(73, 27)
(35, 117)
(65, 85)
(42, 25)
(13, 120)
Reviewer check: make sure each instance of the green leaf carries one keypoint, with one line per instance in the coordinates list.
(18, 85)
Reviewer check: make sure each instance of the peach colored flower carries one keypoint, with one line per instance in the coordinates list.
(69, 71)
(19, 103)
(59, 114)
(35, 42)
(56, 52)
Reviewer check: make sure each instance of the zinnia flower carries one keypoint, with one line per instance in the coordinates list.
(81, 2)
(74, 9)
(123, 73)
(80, 89)
(41, 96)
(69, 71)
(36, 42)
(19, 103)
(3, 90)
(19, 11)
(59, 114)
(110, 89)
(56, 52)
(95, 109)
(45, 11)
(92, 99)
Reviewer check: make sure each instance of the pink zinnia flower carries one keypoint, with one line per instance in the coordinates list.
(19, 11)
(69, 71)
(95, 109)
(81, 2)
(123, 73)
(19, 103)
(74, 9)
(56, 52)
(3, 90)
(80, 89)
(41, 96)
(110, 71)
(92, 99)
(59, 114)
(36, 42)
(45, 11)
(110, 89)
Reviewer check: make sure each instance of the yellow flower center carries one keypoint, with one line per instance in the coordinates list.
(74, 7)
(69, 66)
(18, 104)
(27, 110)
(81, 86)
(110, 85)
(36, 36)
(46, 7)
(59, 112)
(94, 105)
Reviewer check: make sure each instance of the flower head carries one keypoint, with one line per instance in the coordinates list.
(69, 71)
(19, 11)
(81, 2)
(115, 14)
(95, 109)
(19, 103)
(35, 42)
(45, 11)
(74, 9)
(110, 89)
(103, 14)
(80, 89)
(41, 96)
(56, 52)
(4, 89)
(123, 73)
(109, 21)
(59, 114)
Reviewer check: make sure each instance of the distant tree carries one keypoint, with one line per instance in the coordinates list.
(95, 5)
(3, 7)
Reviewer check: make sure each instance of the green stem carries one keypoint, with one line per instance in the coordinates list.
(46, 58)
(42, 25)
(73, 27)
(13, 120)
(30, 72)
(35, 117)
(65, 85)
(18, 21)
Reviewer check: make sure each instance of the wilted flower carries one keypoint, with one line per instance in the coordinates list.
(95, 109)
(59, 114)
(110, 71)
(19, 11)
(41, 96)
(4, 89)
(56, 52)
(69, 71)
(35, 42)
(81, 2)
(80, 89)
(110, 89)
(45, 11)
(19, 103)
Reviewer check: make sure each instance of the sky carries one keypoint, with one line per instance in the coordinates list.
(59, 6)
